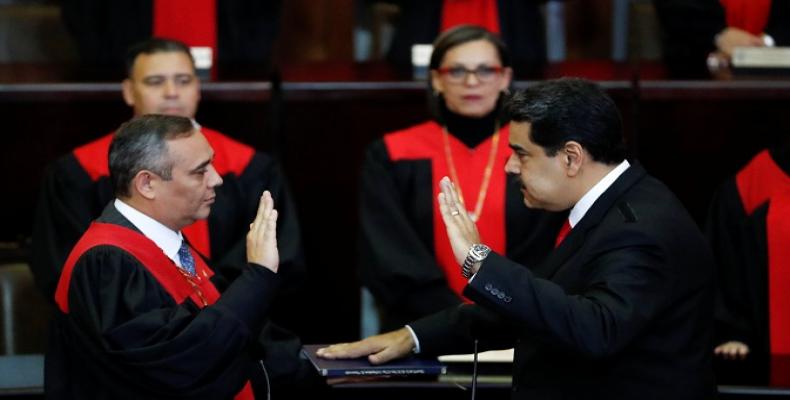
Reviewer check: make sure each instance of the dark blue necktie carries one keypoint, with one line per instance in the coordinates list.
(187, 262)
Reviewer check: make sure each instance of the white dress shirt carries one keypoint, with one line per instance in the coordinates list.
(165, 238)
(583, 205)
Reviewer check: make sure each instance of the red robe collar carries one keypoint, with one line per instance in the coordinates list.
(763, 181)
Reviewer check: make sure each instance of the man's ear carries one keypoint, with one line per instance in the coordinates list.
(573, 156)
(128, 95)
(145, 184)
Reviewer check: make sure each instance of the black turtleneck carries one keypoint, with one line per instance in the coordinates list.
(470, 131)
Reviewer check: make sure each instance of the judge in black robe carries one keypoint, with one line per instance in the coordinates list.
(748, 230)
(139, 311)
(405, 257)
(398, 261)
(77, 187)
(125, 336)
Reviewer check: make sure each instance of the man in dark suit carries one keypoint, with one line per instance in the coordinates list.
(621, 309)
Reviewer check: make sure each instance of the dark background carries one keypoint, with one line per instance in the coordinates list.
(691, 135)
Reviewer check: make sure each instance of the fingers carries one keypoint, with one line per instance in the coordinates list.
(451, 195)
(452, 209)
(379, 348)
(349, 350)
(271, 224)
(385, 355)
(732, 350)
(265, 207)
(262, 237)
(449, 205)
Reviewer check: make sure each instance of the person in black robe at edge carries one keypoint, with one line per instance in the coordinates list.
(140, 314)
(693, 29)
(748, 229)
(104, 30)
(621, 309)
(76, 188)
(520, 22)
(405, 257)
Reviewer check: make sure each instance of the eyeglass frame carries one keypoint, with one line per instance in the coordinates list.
(497, 72)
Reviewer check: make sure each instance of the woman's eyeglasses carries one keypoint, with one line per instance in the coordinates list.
(483, 73)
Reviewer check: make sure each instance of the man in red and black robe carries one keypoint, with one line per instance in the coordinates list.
(140, 314)
(749, 229)
(76, 187)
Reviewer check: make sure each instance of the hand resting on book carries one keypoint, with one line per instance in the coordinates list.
(379, 348)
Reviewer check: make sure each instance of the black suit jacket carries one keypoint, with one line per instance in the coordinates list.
(621, 309)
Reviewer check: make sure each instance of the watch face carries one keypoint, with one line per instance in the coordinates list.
(479, 251)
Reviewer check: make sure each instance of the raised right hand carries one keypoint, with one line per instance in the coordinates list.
(262, 237)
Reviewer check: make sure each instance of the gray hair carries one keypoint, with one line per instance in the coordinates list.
(140, 144)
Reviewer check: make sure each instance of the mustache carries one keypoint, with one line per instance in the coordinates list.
(514, 179)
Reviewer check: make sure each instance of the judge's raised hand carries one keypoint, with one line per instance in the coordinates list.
(379, 348)
(262, 237)
(461, 230)
(732, 350)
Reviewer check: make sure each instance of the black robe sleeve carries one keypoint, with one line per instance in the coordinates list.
(68, 201)
(397, 264)
(738, 243)
(125, 337)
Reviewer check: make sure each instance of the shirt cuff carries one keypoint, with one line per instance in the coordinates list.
(416, 349)
(768, 41)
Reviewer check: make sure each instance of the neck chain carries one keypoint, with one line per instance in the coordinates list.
(481, 194)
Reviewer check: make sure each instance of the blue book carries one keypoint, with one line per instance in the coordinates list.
(362, 367)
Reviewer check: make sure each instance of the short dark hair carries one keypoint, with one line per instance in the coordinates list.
(454, 37)
(140, 144)
(568, 109)
(152, 46)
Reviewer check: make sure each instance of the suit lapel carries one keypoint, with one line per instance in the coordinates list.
(576, 238)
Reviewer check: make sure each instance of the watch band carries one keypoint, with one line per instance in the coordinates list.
(477, 253)
(466, 269)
